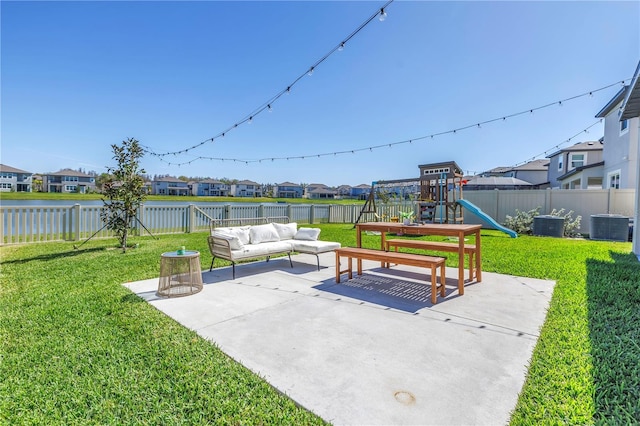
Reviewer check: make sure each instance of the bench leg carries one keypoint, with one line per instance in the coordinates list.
(350, 263)
(471, 266)
(434, 286)
(337, 268)
(443, 280)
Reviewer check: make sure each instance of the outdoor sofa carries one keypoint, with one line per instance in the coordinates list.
(235, 243)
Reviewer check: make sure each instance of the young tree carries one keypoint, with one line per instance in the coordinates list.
(123, 190)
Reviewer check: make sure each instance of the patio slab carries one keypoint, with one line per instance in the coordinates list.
(372, 350)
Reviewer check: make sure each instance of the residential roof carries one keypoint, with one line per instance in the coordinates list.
(582, 146)
(363, 186)
(618, 97)
(247, 182)
(539, 164)
(631, 103)
(9, 169)
(169, 179)
(579, 169)
(497, 181)
(288, 184)
(457, 168)
(211, 181)
(68, 172)
(500, 169)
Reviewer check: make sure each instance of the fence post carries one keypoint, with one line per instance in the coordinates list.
(76, 213)
(191, 218)
(312, 214)
(289, 212)
(227, 211)
(140, 215)
(547, 201)
(261, 210)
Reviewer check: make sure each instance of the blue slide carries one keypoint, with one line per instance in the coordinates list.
(482, 215)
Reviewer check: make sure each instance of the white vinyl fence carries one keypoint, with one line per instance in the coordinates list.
(73, 223)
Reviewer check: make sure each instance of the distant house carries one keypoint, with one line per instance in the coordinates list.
(621, 144)
(246, 188)
(478, 183)
(319, 191)
(169, 185)
(361, 192)
(289, 190)
(12, 179)
(534, 172)
(577, 167)
(344, 191)
(210, 188)
(68, 181)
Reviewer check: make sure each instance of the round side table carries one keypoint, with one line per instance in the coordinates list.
(180, 274)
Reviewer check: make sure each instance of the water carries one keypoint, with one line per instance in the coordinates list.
(89, 203)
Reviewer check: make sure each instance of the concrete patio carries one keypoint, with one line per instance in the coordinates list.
(372, 350)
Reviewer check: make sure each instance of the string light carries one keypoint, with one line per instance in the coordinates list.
(383, 15)
(453, 131)
(261, 108)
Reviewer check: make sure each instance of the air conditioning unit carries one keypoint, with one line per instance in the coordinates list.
(548, 226)
(611, 227)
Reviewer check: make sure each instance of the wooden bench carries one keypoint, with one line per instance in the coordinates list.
(393, 257)
(469, 249)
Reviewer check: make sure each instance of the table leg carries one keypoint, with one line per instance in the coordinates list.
(358, 237)
(383, 247)
(351, 267)
(337, 267)
(478, 258)
(461, 263)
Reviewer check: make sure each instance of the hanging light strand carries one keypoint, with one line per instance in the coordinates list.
(269, 103)
(546, 152)
(477, 125)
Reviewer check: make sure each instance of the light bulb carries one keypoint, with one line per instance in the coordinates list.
(250, 119)
(341, 47)
(270, 109)
(383, 15)
(310, 71)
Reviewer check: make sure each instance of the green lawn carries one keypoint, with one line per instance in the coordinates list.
(78, 348)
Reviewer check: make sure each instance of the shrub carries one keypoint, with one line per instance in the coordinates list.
(522, 223)
(571, 225)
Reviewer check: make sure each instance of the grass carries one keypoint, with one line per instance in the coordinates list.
(77, 347)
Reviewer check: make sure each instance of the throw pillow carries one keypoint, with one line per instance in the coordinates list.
(309, 234)
(263, 234)
(286, 231)
(234, 241)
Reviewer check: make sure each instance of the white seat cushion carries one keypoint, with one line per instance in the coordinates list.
(314, 247)
(262, 249)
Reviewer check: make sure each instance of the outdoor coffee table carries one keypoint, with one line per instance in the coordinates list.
(180, 274)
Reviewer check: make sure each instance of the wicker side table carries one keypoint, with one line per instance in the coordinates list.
(180, 274)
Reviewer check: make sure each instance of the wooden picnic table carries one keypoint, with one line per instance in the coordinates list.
(459, 231)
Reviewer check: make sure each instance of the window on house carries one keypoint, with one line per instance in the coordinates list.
(624, 126)
(70, 188)
(577, 160)
(560, 162)
(614, 180)
(6, 186)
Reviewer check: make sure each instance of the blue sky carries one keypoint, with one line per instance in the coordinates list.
(78, 77)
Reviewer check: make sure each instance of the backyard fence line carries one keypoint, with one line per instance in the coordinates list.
(76, 222)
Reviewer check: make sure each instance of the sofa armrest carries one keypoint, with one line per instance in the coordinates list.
(220, 247)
